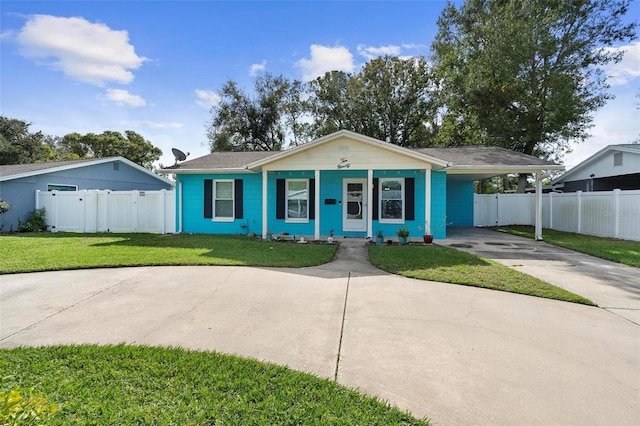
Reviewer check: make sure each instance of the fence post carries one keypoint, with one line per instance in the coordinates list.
(616, 212)
(579, 201)
(551, 210)
(164, 211)
(136, 194)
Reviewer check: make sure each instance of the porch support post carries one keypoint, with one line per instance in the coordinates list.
(264, 204)
(369, 203)
(538, 230)
(427, 198)
(316, 231)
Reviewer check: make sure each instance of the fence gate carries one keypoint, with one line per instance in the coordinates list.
(109, 211)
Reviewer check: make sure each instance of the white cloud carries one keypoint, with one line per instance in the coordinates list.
(207, 98)
(123, 97)
(371, 52)
(626, 70)
(256, 68)
(324, 59)
(85, 51)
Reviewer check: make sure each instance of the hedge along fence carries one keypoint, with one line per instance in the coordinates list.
(109, 211)
(613, 214)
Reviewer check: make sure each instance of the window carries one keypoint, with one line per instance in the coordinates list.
(297, 200)
(392, 200)
(617, 159)
(54, 187)
(223, 200)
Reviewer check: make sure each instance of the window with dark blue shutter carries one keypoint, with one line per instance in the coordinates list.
(239, 196)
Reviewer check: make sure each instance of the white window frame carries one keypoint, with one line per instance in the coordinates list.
(75, 187)
(215, 200)
(617, 159)
(286, 202)
(381, 200)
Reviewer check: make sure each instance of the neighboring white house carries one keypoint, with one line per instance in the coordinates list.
(614, 167)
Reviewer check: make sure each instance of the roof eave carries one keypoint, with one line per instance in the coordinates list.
(84, 164)
(206, 171)
(502, 169)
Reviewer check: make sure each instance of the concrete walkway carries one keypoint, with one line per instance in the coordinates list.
(457, 354)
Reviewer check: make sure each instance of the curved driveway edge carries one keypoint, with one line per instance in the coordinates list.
(457, 354)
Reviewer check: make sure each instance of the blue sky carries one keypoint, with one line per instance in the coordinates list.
(155, 66)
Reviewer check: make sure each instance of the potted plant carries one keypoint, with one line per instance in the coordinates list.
(330, 238)
(403, 235)
(427, 234)
(379, 238)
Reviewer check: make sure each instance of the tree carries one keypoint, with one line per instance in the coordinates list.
(18, 145)
(525, 75)
(389, 99)
(131, 146)
(260, 123)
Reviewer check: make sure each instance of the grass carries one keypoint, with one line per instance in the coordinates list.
(108, 385)
(444, 264)
(58, 251)
(621, 251)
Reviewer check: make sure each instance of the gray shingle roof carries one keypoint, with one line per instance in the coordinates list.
(16, 169)
(223, 160)
(457, 156)
(484, 156)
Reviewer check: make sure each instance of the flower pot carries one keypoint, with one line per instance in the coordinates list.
(428, 239)
(403, 240)
(379, 241)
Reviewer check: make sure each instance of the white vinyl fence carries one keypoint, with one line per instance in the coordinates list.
(605, 214)
(109, 211)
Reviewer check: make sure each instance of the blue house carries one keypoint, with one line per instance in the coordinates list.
(344, 183)
(19, 182)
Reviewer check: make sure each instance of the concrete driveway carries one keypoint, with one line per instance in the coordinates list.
(612, 286)
(459, 355)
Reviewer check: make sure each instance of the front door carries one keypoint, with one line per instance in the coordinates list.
(354, 205)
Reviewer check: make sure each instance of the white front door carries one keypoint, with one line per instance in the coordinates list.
(354, 205)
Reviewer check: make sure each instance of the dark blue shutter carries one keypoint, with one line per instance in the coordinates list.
(238, 190)
(376, 200)
(208, 198)
(280, 198)
(410, 199)
(312, 199)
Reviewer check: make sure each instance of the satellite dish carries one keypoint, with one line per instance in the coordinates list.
(179, 155)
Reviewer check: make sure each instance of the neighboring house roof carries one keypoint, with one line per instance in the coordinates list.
(17, 171)
(472, 161)
(631, 148)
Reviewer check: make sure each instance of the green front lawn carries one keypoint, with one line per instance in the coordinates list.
(444, 264)
(125, 385)
(57, 251)
(621, 251)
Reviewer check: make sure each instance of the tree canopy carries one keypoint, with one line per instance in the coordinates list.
(131, 146)
(388, 99)
(525, 75)
(241, 122)
(19, 146)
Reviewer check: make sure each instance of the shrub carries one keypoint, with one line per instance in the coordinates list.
(19, 409)
(35, 222)
(4, 206)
